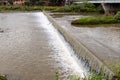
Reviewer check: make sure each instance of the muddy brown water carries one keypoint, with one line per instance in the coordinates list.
(32, 49)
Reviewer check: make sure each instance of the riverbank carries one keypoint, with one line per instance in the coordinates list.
(85, 7)
(97, 20)
(27, 8)
(102, 41)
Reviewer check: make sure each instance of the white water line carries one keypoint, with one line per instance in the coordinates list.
(63, 53)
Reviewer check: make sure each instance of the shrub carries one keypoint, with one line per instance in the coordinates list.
(27, 8)
(117, 16)
(84, 7)
(72, 8)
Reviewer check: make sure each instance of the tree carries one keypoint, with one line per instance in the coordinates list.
(35, 2)
(57, 2)
(10, 2)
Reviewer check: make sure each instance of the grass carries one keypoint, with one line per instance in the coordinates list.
(98, 20)
(95, 20)
(91, 77)
(95, 77)
(116, 69)
(85, 7)
(72, 8)
(2, 78)
(27, 8)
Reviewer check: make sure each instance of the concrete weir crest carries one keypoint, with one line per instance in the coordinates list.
(81, 51)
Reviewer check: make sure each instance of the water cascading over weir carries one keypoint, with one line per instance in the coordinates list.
(91, 61)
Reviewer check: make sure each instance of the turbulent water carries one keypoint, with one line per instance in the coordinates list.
(32, 49)
(102, 40)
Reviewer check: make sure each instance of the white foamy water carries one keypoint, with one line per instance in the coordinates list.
(66, 61)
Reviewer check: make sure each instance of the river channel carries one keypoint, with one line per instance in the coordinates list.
(32, 49)
(102, 40)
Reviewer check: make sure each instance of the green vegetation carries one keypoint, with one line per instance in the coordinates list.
(117, 16)
(2, 78)
(116, 69)
(98, 20)
(95, 77)
(74, 77)
(57, 76)
(91, 77)
(94, 20)
(26, 8)
(85, 7)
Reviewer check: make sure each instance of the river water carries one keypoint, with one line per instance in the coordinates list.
(32, 49)
(102, 40)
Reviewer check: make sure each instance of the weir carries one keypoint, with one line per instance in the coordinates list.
(35, 48)
(92, 61)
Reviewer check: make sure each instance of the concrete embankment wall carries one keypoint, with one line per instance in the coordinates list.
(111, 8)
(81, 51)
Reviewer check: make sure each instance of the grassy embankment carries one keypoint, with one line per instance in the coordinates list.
(98, 20)
(27, 8)
(85, 7)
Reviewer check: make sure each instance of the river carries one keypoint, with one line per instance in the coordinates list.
(102, 40)
(32, 49)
